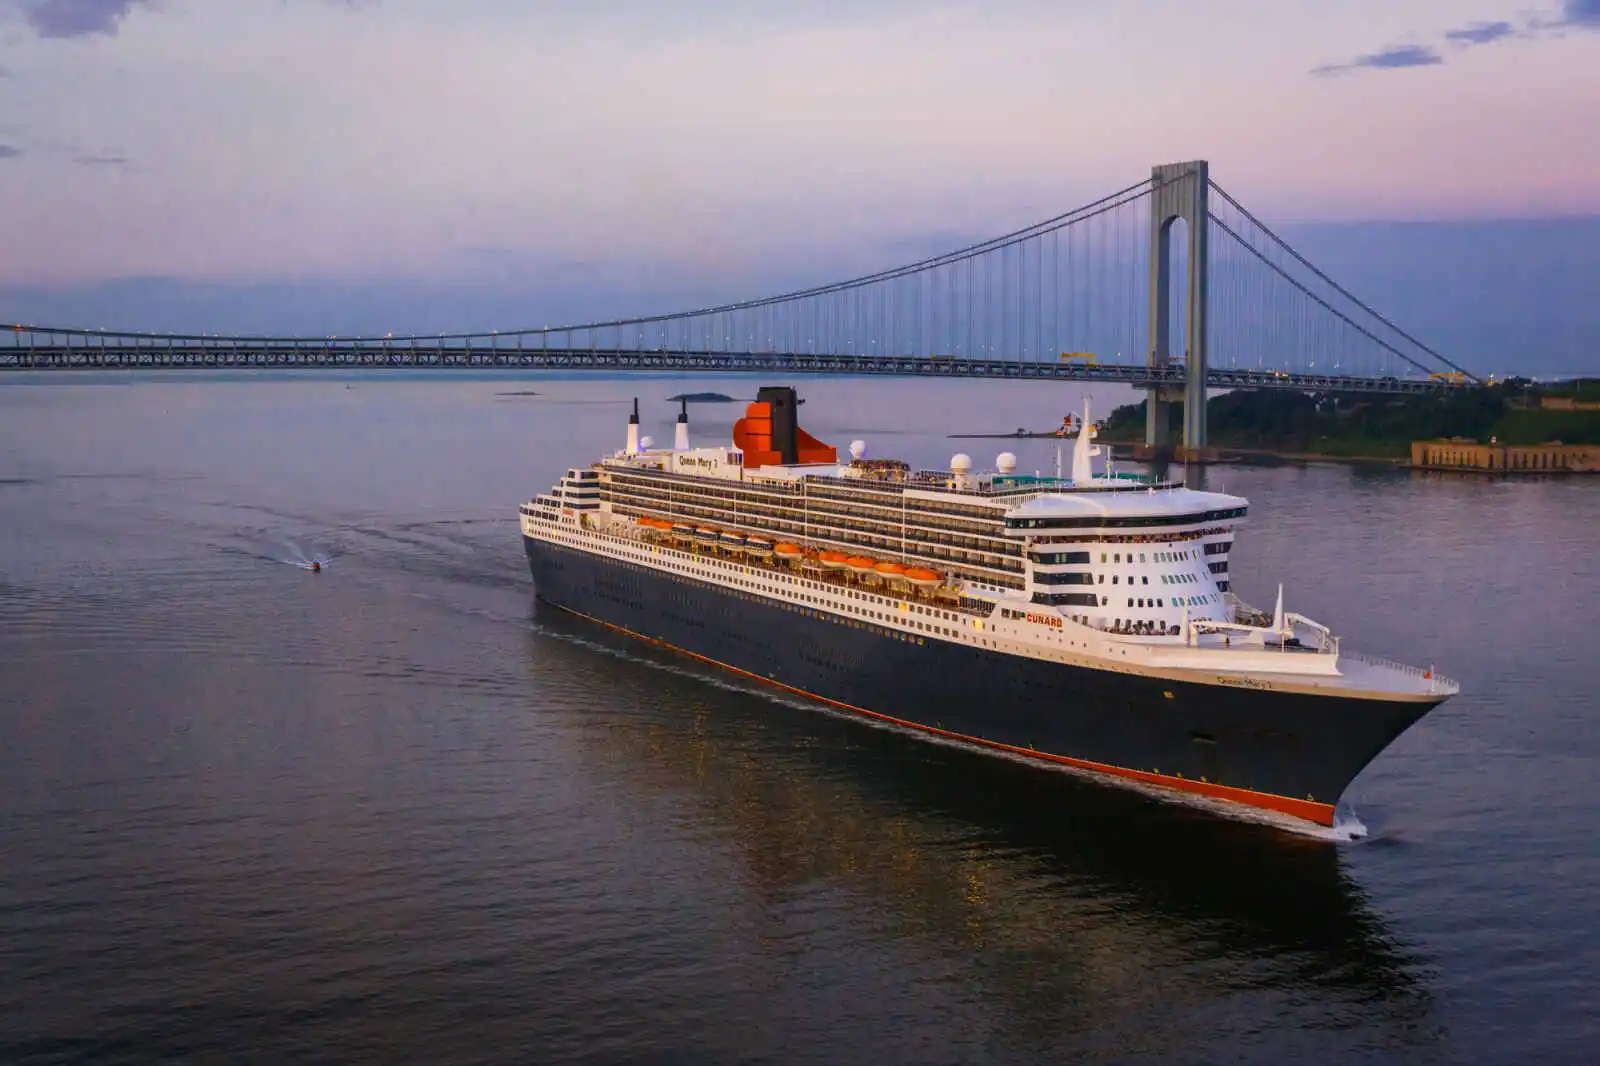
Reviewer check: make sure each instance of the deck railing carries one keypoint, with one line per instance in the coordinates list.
(1438, 680)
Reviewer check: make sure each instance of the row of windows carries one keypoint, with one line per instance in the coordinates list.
(854, 498)
(1217, 568)
(1072, 599)
(1218, 547)
(1057, 558)
(716, 507)
(1075, 577)
(964, 564)
(795, 496)
(673, 562)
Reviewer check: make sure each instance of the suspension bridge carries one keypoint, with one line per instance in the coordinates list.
(1169, 285)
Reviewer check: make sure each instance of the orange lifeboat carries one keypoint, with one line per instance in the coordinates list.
(889, 570)
(758, 546)
(860, 564)
(923, 579)
(707, 535)
(787, 551)
(833, 560)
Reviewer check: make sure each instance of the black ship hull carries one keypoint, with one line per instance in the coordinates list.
(1290, 752)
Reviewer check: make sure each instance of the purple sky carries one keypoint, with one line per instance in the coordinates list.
(291, 139)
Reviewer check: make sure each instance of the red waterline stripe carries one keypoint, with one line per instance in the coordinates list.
(1310, 810)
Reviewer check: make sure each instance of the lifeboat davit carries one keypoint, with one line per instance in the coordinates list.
(833, 560)
(860, 564)
(923, 579)
(787, 551)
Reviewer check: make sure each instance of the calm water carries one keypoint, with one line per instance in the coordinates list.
(393, 813)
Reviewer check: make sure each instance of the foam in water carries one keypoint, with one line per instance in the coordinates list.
(293, 555)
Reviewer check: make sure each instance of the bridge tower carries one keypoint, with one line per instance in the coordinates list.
(1179, 191)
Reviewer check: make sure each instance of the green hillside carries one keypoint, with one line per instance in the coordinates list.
(1378, 427)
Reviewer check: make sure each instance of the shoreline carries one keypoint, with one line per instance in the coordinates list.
(1125, 450)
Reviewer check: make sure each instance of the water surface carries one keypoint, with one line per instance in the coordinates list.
(394, 812)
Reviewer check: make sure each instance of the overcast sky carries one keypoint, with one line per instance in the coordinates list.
(286, 140)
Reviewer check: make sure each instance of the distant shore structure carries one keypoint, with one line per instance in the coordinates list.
(1551, 458)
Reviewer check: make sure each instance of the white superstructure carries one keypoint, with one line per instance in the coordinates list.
(1114, 572)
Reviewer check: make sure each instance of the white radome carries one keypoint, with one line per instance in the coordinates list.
(961, 463)
(858, 449)
(646, 443)
(1005, 462)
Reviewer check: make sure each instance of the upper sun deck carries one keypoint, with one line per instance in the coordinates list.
(1170, 505)
(1023, 502)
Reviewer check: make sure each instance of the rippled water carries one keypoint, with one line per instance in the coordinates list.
(391, 812)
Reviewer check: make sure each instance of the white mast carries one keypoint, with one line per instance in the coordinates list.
(1082, 452)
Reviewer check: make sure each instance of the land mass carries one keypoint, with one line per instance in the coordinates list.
(701, 397)
(1299, 425)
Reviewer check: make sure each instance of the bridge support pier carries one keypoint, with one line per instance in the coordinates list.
(1179, 191)
(1158, 442)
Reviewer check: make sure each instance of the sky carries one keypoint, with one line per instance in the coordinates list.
(642, 151)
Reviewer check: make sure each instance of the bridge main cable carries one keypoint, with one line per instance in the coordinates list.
(1095, 208)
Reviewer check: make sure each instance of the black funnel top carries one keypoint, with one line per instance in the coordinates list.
(683, 413)
(785, 421)
(633, 419)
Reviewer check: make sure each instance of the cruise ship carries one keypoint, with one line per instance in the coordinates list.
(1084, 619)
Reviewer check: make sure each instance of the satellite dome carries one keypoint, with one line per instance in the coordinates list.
(646, 442)
(858, 448)
(1005, 462)
(960, 463)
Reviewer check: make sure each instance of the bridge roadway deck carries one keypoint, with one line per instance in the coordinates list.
(372, 356)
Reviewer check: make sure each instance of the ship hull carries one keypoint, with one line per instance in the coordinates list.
(1284, 751)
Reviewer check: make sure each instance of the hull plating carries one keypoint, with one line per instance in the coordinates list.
(1282, 751)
